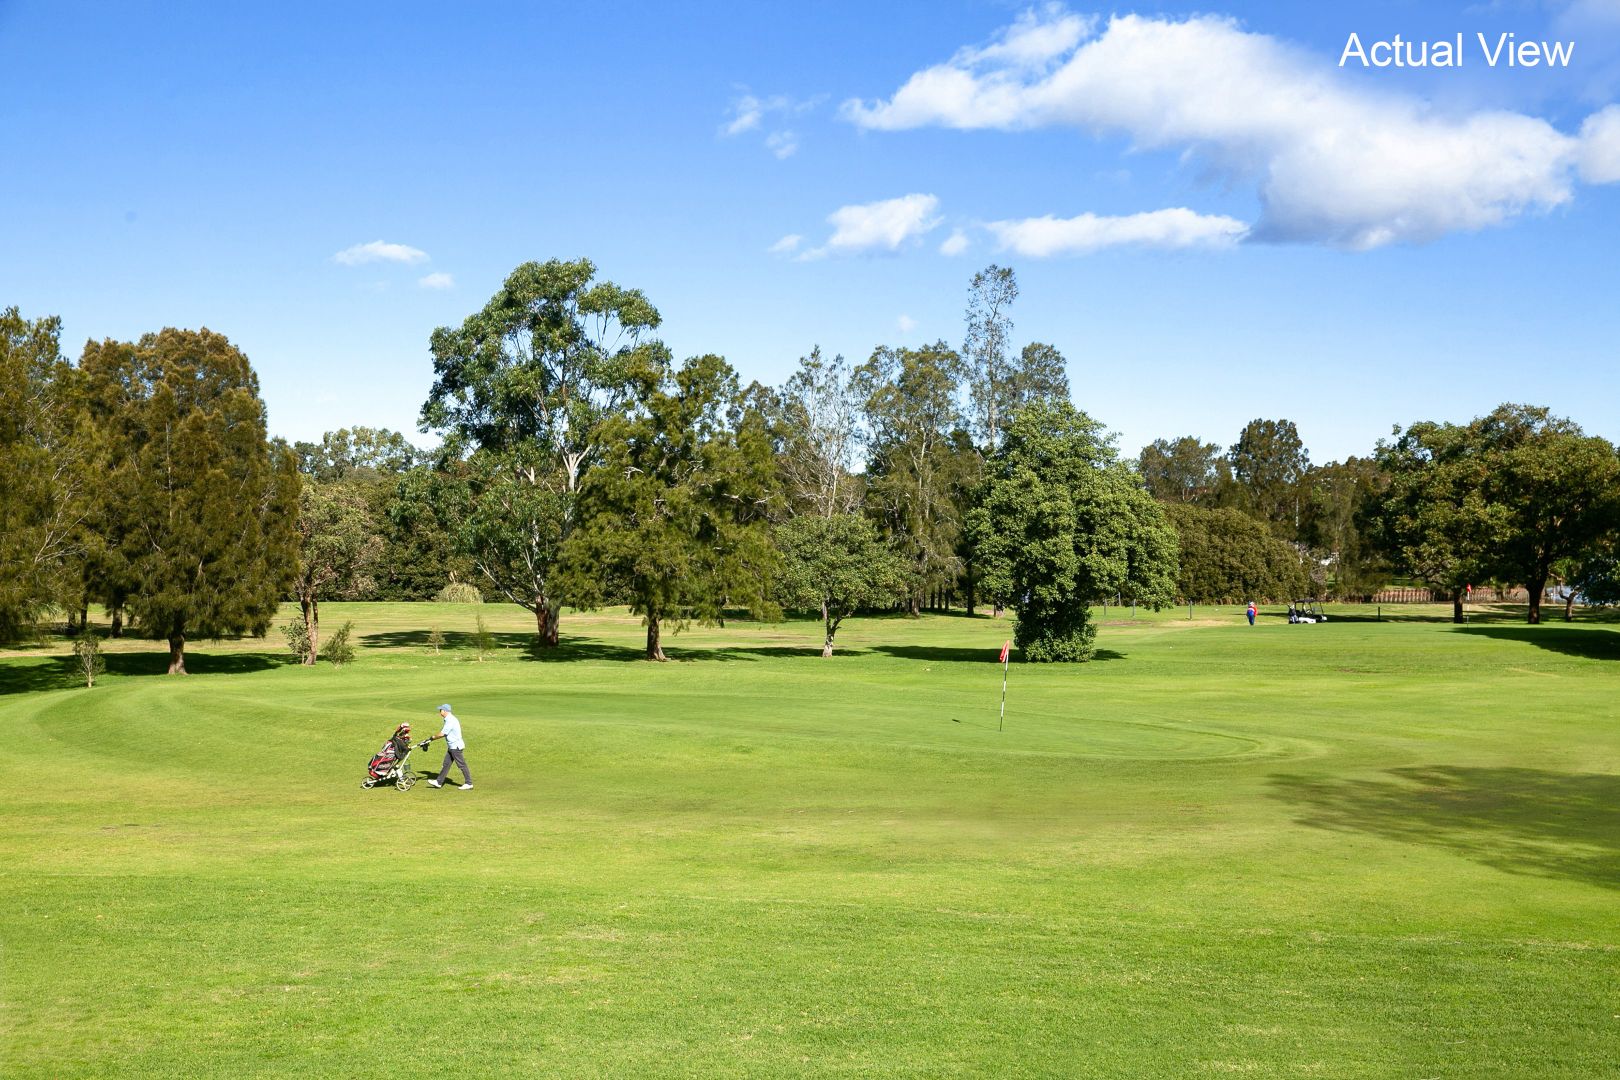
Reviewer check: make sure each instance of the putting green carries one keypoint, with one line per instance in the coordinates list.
(1359, 849)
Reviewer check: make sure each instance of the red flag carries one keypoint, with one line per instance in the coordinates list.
(1005, 646)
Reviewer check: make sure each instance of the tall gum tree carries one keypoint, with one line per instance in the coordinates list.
(523, 390)
(209, 504)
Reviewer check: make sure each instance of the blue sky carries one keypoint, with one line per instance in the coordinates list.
(1208, 217)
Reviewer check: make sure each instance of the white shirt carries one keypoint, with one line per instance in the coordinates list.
(452, 732)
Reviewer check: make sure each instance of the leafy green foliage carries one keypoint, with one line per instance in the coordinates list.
(675, 514)
(459, 592)
(1269, 465)
(819, 410)
(1065, 523)
(1185, 470)
(1226, 556)
(340, 649)
(530, 383)
(483, 640)
(915, 463)
(296, 631)
(338, 547)
(204, 506)
(835, 566)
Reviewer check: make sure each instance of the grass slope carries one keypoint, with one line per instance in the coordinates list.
(1364, 849)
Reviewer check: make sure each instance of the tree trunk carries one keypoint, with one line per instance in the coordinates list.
(831, 628)
(117, 622)
(312, 630)
(84, 617)
(1569, 606)
(655, 651)
(1536, 588)
(972, 595)
(1457, 608)
(546, 618)
(177, 654)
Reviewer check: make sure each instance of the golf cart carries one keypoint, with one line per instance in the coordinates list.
(1305, 611)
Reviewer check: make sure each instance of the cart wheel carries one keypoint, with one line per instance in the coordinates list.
(405, 783)
(368, 784)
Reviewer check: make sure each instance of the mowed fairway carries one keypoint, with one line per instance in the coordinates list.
(1364, 849)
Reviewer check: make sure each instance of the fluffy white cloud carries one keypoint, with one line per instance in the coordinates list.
(955, 244)
(1332, 164)
(878, 226)
(1177, 228)
(784, 144)
(746, 113)
(1600, 147)
(437, 281)
(379, 251)
(905, 324)
(787, 245)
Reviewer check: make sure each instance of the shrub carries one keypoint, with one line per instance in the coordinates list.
(483, 640)
(435, 639)
(339, 648)
(459, 592)
(297, 638)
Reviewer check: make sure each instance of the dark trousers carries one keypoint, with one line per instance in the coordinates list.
(457, 757)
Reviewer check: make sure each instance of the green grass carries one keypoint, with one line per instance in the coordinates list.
(1364, 849)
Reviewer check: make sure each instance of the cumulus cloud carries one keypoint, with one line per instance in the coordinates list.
(905, 324)
(878, 226)
(379, 251)
(1331, 163)
(1177, 228)
(955, 244)
(787, 245)
(437, 281)
(1600, 147)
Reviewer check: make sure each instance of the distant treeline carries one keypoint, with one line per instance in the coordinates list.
(581, 465)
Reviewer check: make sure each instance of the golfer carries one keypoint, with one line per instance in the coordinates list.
(450, 732)
(1251, 612)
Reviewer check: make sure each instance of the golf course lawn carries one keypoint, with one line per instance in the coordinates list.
(1360, 849)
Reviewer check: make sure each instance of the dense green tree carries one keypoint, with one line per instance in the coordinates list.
(1184, 470)
(376, 451)
(987, 349)
(1040, 374)
(835, 565)
(1065, 523)
(422, 513)
(1508, 496)
(530, 383)
(1595, 579)
(1342, 494)
(1228, 557)
(909, 401)
(48, 464)
(674, 517)
(1269, 464)
(338, 547)
(208, 503)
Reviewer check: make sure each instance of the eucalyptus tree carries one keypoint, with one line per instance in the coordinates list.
(909, 400)
(986, 349)
(673, 519)
(524, 390)
(820, 418)
(836, 566)
(339, 545)
(1270, 463)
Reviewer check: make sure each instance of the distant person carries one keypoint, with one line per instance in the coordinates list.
(1251, 612)
(450, 732)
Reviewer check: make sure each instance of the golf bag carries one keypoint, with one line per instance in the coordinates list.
(390, 763)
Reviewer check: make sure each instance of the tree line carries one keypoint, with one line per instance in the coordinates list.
(580, 464)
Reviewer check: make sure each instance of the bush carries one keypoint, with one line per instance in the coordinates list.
(435, 639)
(87, 652)
(483, 640)
(459, 592)
(297, 638)
(339, 649)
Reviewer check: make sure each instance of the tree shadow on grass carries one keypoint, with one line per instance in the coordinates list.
(1588, 643)
(953, 654)
(24, 675)
(1522, 821)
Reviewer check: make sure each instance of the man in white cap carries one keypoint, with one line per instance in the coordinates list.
(450, 732)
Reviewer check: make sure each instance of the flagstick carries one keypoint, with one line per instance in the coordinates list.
(1003, 719)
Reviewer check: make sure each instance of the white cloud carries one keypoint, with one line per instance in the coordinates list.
(906, 324)
(1177, 228)
(379, 251)
(955, 244)
(1331, 163)
(878, 226)
(784, 144)
(1600, 147)
(787, 245)
(746, 113)
(437, 281)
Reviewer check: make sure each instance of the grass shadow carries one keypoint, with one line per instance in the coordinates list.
(1522, 821)
(981, 655)
(1587, 643)
(24, 675)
